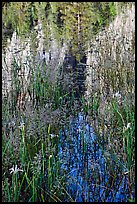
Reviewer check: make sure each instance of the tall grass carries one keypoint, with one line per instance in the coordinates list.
(34, 155)
(118, 123)
(32, 145)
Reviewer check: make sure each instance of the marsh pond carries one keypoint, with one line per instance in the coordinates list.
(68, 101)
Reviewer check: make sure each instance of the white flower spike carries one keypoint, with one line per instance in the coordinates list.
(117, 95)
(15, 170)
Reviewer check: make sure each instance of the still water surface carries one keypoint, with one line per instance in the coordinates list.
(84, 166)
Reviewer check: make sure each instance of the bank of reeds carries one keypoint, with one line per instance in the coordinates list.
(29, 146)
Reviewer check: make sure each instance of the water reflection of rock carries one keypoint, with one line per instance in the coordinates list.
(72, 75)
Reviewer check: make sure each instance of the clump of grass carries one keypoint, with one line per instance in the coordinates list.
(21, 145)
(29, 184)
(124, 117)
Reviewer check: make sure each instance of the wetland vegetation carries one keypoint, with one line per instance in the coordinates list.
(68, 102)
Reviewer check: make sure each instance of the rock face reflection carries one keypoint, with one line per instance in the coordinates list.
(69, 61)
(73, 75)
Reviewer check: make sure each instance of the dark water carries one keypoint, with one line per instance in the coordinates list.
(87, 174)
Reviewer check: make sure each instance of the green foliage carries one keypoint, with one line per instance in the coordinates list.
(68, 20)
(112, 8)
(20, 15)
(125, 119)
(74, 22)
(105, 11)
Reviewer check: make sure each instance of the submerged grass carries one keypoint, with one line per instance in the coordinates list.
(32, 144)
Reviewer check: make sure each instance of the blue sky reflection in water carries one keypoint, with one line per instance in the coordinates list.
(87, 174)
